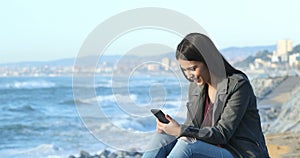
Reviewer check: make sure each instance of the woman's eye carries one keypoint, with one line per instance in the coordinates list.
(192, 68)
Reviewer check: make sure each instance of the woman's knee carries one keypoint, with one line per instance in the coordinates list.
(160, 140)
(181, 149)
(190, 148)
(160, 146)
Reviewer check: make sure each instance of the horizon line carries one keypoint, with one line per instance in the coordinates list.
(67, 58)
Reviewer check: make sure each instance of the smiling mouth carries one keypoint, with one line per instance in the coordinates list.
(194, 79)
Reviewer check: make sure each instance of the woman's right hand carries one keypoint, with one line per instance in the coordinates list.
(171, 128)
(158, 127)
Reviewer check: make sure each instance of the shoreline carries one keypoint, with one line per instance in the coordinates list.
(272, 91)
(106, 153)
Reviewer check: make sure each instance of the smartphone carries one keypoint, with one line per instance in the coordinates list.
(160, 115)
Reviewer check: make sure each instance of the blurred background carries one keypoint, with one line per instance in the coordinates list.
(40, 41)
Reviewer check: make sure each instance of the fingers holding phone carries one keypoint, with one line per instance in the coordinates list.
(165, 123)
(159, 126)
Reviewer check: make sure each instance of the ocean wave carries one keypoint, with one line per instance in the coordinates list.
(28, 85)
(135, 130)
(42, 150)
(74, 101)
(25, 108)
(105, 99)
(14, 127)
(143, 124)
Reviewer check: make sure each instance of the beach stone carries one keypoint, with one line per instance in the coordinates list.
(84, 154)
(113, 155)
(124, 154)
(138, 155)
(104, 153)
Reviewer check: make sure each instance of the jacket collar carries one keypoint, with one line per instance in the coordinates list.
(198, 90)
(222, 90)
(222, 87)
(219, 104)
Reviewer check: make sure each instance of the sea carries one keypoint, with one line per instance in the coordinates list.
(45, 116)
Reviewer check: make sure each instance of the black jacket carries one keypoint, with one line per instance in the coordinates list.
(236, 122)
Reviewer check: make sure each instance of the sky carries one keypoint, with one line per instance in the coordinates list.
(35, 30)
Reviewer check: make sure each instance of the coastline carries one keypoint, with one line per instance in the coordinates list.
(277, 95)
(280, 112)
(106, 153)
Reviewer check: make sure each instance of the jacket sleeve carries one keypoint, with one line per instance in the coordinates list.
(230, 118)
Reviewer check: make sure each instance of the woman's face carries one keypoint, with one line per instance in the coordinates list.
(195, 71)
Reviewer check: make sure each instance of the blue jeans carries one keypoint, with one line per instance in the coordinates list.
(163, 145)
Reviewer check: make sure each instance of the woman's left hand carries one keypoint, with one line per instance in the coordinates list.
(171, 128)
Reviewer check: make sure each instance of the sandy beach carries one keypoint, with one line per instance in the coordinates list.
(282, 117)
(284, 145)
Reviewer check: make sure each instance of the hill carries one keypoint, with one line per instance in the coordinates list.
(233, 54)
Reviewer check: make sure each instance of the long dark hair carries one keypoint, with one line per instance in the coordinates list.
(199, 47)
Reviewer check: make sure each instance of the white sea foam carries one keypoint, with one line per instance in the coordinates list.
(117, 133)
(43, 150)
(136, 124)
(27, 85)
(112, 98)
(124, 110)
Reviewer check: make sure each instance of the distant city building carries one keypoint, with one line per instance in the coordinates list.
(153, 67)
(258, 63)
(294, 60)
(165, 63)
(281, 54)
(174, 65)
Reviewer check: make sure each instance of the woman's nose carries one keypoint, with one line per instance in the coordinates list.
(190, 75)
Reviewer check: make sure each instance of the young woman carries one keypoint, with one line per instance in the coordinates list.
(222, 118)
